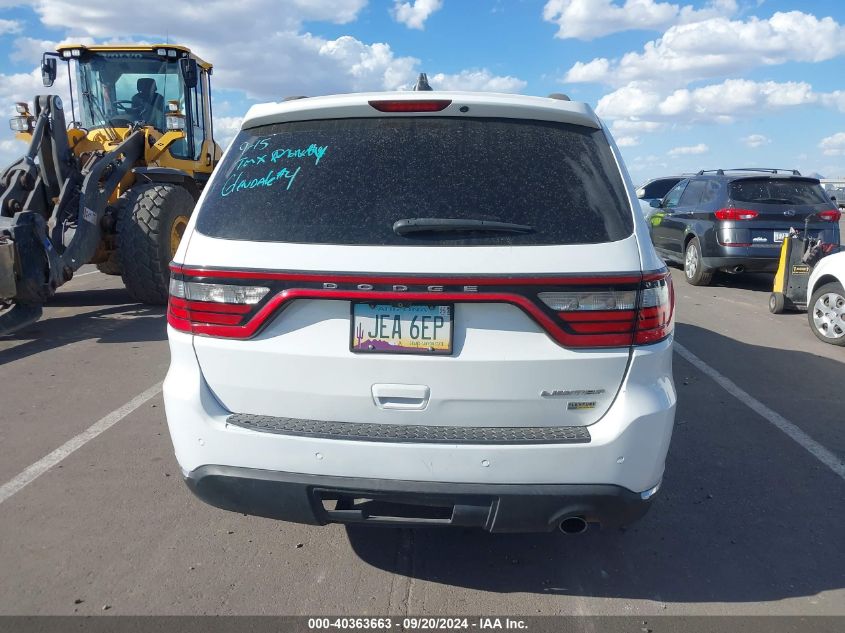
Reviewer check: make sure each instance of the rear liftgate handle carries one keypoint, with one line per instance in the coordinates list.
(401, 397)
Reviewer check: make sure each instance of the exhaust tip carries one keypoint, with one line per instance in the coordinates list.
(573, 525)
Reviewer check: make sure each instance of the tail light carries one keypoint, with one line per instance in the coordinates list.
(656, 310)
(831, 215)
(611, 317)
(736, 214)
(193, 304)
(427, 105)
(575, 311)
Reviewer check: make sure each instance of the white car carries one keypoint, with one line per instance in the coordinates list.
(422, 308)
(826, 299)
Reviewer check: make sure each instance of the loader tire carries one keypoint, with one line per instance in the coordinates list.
(150, 221)
(111, 266)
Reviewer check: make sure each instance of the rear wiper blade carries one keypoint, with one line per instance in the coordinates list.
(437, 225)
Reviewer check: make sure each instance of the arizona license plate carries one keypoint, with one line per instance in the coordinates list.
(780, 235)
(401, 328)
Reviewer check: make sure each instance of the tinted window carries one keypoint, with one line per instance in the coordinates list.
(692, 194)
(711, 191)
(771, 191)
(656, 189)
(674, 195)
(348, 181)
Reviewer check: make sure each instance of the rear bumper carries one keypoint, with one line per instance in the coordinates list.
(319, 500)
(749, 264)
(526, 485)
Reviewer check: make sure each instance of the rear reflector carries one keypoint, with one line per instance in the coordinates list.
(736, 214)
(831, 215)
(429, 105)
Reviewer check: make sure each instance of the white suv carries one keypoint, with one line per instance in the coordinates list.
(422, 308)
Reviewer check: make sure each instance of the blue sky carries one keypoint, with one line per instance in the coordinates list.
(684, 85)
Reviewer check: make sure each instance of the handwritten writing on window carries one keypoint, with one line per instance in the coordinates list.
(278, 166)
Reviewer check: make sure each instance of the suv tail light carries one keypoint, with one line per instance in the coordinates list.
(575, 311)
(736, 214)
(193, 303)
(831, 215)
(614, 318)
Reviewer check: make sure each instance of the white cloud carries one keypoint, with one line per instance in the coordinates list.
(756, 140)
(414, 14)
(689, 150)
(719, 46)
(833, 145)
(589, 19)
(476, 80)
(10, 26)
(225, 129)
(630, 126)
(17, 87)
(266, 59)
(275, 59)
(24, 86)
(628, 141)
(715, 103)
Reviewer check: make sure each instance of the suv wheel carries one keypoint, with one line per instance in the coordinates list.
(827, 314)
(694, 267)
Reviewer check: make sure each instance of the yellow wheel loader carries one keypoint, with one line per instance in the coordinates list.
(116, 186)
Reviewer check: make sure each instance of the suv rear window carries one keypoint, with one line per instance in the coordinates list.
(347, 181)
(657, 189)
(777, 191)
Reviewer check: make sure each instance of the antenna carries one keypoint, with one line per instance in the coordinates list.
(422, 82)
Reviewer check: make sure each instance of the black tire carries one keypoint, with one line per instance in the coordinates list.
(694, 271)
(145, 220)
(831, 301)
(111, 266)
(777, 303)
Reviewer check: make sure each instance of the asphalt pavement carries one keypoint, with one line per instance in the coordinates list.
(749, 521)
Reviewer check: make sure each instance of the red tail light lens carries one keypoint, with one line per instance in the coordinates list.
(831, 215)
(616, 317)
(428, 105)
(193, 304)
(656, 314)
(736, 214)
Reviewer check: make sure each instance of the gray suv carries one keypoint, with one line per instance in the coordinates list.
(735, 220)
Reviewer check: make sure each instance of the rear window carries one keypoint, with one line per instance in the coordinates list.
(775, 191)
(657, 189)
(347, 181)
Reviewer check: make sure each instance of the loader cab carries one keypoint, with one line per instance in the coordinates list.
(163, 87)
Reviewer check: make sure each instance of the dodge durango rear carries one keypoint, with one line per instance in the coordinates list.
(437, 310)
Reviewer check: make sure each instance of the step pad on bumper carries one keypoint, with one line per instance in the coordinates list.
(368, 432)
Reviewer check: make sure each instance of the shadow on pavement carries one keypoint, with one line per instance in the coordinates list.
(120, 321)
(755, 282)
(745, 515)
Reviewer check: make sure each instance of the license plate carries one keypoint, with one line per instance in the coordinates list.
(780, 236)
(401, 328)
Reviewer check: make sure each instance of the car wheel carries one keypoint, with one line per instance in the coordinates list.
(694, 271)
(826, 314)
(777, 303)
